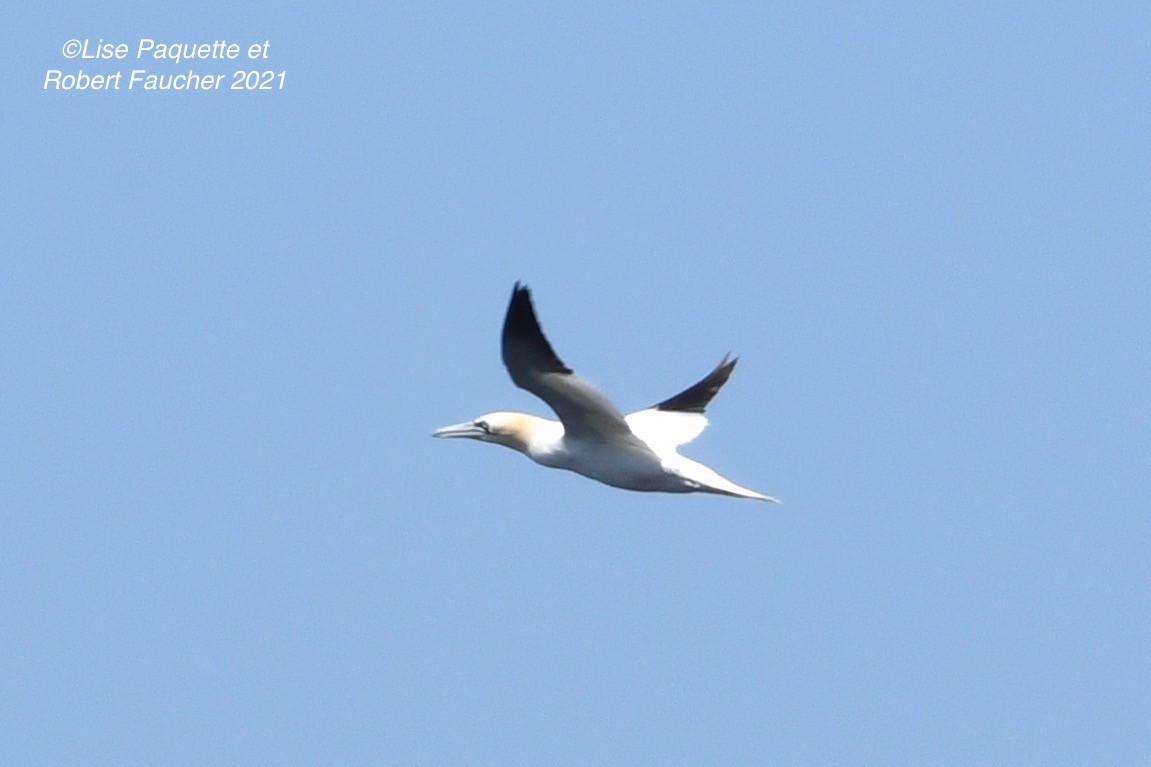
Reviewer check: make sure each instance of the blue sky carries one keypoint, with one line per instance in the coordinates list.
(230, 321)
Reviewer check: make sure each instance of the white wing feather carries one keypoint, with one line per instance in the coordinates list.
(664, 430)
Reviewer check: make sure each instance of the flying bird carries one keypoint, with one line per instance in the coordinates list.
(592, 437)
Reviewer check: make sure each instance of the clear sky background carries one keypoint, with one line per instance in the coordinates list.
(230, 321)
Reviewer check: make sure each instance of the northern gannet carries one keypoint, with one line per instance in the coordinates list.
(592, 437)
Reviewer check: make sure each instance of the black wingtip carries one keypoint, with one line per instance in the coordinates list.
(695, 398)
(522, 328)
(521, 294)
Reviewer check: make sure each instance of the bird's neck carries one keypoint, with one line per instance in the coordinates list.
(534, 436)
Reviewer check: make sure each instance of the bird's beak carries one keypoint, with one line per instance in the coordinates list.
(466, 429)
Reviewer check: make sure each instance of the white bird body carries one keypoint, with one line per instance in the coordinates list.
(592, 438)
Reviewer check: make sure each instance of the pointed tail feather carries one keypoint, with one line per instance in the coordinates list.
(706, 480)
(736, 491)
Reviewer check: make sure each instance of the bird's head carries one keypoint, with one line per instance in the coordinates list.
(512, 430)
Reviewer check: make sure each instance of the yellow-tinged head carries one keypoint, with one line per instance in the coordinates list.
(514, 430)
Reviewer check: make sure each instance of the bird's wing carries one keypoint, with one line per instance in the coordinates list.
(586, 412)
(695, 398)
(680, 419)
(665, 430)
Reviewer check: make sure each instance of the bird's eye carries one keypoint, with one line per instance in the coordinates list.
(484, 425)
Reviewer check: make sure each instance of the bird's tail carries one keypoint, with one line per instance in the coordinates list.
(707, 481)
(734, 490)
